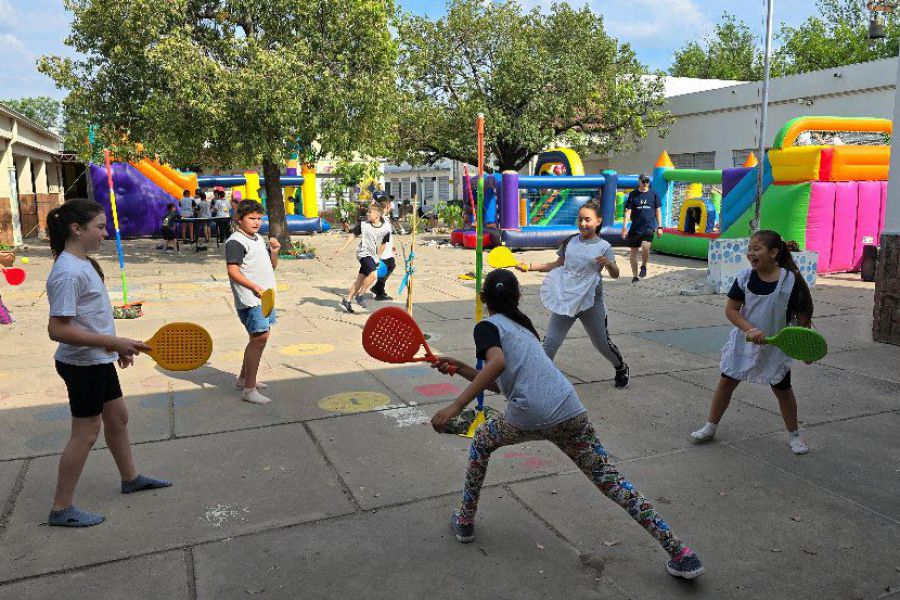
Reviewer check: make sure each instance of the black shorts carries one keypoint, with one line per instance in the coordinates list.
(784, 384)
(634, 240)
(89, 387)
(367, 265)
(168, 234)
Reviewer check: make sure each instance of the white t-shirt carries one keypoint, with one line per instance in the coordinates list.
(187, 208)
(204, 207)
(252, 254)
(74, 289)
(389, 246)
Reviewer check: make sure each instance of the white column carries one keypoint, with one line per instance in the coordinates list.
(892, 211)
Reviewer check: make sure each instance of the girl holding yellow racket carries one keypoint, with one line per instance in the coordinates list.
(762, 301)
(81, 320)
(574, 290)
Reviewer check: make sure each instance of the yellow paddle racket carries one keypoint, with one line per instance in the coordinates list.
(180, 346)
(268, 302)
(501, 258)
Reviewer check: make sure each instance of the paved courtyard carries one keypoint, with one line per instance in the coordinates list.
(339, 488)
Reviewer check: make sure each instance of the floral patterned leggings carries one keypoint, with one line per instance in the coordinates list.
(577, 438)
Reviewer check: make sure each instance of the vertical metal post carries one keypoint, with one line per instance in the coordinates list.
(763, 116)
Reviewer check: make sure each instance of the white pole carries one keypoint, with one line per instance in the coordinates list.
(763, 115)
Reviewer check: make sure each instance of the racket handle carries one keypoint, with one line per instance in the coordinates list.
(452, 370)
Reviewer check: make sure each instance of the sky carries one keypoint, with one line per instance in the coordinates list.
(654, 28)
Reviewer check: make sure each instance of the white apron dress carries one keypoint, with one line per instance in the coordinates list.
(746, 361)
(571, 288)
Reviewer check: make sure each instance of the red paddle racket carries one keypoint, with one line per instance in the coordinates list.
(14, 276)
(392, 336)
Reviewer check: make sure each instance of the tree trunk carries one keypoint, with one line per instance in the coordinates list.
(275, 203)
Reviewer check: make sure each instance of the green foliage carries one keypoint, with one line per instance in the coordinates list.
(730, 52)
(836, 36)
(450, 215)
(540, 79)
(43, 110)
(231, 82)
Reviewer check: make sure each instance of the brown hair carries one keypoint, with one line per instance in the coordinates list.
(773, 241)
(249, 207)
(60, 220)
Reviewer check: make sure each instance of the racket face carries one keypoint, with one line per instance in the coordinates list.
(801, 343)
(501, 258)
(181, 346)
(14, 276)
(268, 302)
(391, 335)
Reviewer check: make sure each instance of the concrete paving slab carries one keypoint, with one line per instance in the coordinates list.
(39, 429)
(9, 472)
(880, 361)
(577, 357)
(400, 553)
(224, 485)
(296, 396)
(697, 340)
(854, 294)
(742, 517)
(394, 456)
(416, 383)
(161, 575)
(823, 394)
(863, 453)
(676, 311)
(656, 414)
(846, 332)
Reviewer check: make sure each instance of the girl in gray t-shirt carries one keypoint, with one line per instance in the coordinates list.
(541, 405)
(81, 321)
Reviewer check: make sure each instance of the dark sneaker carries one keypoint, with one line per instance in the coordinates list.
(347, 306)
(643, 272)
(383, 297)
(634, 280)
(362, 301)
(622, 377)
(464, 533)
(687, 567)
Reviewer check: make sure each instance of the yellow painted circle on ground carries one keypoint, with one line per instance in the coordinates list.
(233, 355)
(352, 402)
(4, 375)
(306, 350)
(283, 287)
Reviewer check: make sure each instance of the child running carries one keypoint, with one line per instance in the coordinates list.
(374, 234)
(81, 320)
(762, 301)
(574, 290)
(541, 405)
(387, 257)
(251, 270)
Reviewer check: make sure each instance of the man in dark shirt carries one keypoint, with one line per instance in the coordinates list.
(642, 208)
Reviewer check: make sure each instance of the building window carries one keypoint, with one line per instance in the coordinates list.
(694, 160)
(387, 188)
(443, 185)
(738, 157)
(404, 189)
(427, 190)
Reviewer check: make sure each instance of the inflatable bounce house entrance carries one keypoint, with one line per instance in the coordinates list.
(828, 197)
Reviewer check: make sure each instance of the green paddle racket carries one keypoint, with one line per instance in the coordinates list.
(800, 343)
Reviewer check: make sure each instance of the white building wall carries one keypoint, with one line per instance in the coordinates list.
(727, 119)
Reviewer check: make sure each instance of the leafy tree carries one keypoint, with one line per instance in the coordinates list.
(539, 79)
(43, 110)
(837, 36)
(231, 82)
(730, 52)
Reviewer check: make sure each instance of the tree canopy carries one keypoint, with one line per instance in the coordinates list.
(231, 82)
(836, 36)
(43, 110)
(538, 78)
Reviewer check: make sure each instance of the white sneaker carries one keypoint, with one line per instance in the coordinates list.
(239, 383)
(798, 446)
(254, 396)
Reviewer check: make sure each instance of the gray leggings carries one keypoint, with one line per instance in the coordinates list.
(594, 322)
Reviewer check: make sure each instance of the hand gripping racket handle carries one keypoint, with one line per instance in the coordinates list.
(451, 370)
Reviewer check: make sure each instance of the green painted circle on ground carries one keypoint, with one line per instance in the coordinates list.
(351, 402)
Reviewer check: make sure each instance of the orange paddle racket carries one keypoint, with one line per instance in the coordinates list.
(180, 346)
(392, 336)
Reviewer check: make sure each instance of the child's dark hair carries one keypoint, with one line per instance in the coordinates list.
(170, 206)
(60, 220)
(501, 294)
(249, 207)
(773, 241)
(186, 194)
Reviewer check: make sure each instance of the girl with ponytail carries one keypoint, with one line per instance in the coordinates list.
(574, 290)
(763, 300)
(541, 405)
(81, 321)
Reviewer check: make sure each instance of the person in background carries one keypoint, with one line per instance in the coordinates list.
(642, 209)
(168, 228)
(186, 206)
(204, 212)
